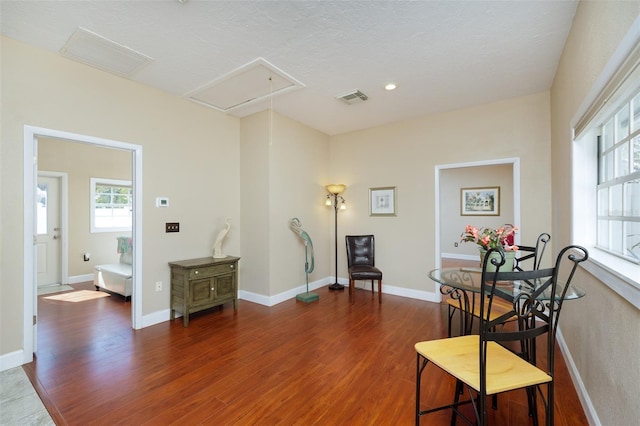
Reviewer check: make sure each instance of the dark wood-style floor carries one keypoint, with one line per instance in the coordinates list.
(325, 363)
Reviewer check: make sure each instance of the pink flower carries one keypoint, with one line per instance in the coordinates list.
(488, 238)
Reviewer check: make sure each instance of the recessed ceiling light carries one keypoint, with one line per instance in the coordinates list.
(390, 86)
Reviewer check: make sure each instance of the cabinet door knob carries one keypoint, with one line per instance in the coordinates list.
(196, 272)
(212, 288)
(231, 266)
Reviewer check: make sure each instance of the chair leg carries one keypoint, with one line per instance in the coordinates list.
(550, 408)
(379, 291)
(352, 292)
(533, 405)
(418, 381)
(456, 399)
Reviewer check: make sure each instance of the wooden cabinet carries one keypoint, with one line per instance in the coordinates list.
(198, 284)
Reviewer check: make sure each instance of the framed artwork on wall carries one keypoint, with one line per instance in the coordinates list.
(382, 201)
(483, 201)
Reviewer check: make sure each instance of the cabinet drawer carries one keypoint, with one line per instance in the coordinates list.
(209, 271)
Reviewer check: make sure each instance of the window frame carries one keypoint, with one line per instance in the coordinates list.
(115, 183)
(618, 80)
(610, 177)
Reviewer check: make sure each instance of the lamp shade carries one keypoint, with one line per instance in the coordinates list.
(336, 188)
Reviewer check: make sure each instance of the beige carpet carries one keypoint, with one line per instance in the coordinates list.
(54, 289)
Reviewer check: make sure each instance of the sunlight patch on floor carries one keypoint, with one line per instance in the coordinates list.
(78, 296)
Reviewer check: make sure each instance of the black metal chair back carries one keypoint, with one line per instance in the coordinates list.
(536, 299)
(534, 252)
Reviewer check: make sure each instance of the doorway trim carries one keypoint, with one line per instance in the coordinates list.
(515, 163)
(31, 135)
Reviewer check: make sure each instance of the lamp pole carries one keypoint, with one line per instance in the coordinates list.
(335, 191)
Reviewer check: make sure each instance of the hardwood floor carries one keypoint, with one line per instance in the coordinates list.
(326, 363)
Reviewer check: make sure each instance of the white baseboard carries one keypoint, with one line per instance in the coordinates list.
(460, 256)
(585, 400)
(12, 360)
(156, 317)
(286, 295)
(291, 294)
(76, 279)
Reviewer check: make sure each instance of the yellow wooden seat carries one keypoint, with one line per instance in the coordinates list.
(459, 357)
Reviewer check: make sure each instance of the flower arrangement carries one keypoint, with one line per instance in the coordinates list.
(488, 238)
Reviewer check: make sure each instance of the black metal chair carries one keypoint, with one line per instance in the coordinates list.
(361, 262)
(482, 363)
(457, 300)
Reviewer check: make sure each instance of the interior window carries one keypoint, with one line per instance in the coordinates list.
(111, 205)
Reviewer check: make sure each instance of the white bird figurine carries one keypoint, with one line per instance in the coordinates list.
(217, 247)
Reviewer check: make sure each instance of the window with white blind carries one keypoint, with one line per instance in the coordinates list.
(606, 173)
(111, 205)
(618, 200)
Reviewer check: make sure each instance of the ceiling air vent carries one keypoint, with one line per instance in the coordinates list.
(353, 97)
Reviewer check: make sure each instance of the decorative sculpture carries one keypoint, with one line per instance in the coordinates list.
(296, 227)
(217, 247)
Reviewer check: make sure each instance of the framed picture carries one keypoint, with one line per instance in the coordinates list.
(480, 201)
(382, 201)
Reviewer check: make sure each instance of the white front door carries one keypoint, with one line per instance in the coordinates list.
(48, 242)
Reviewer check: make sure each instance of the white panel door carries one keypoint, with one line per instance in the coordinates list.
(48, 242)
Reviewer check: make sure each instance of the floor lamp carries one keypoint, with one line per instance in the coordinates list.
(338, 202)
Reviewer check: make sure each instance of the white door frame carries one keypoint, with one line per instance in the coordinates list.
(31, 135)
(64, 220)
(515, 162)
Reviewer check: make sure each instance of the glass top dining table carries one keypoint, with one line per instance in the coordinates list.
(460, 283)
(468, 279)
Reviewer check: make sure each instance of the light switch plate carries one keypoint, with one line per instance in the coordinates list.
(172, 227)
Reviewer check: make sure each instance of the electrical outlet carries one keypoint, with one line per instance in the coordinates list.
(172, 227)
(158, 285)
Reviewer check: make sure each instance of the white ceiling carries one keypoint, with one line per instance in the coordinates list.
(443, 55)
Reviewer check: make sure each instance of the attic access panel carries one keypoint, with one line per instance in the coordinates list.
(249, 84)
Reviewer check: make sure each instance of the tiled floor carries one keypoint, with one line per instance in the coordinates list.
(19, 402)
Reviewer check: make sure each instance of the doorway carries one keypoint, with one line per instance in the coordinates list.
(444, 212)
(31, 136)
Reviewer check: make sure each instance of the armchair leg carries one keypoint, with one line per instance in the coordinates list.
(352, 292)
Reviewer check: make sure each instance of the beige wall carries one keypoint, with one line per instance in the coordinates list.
(190, 154)
(82, 162)
(601, 330)
(452, 223)
(284, 167)
(405, 154)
